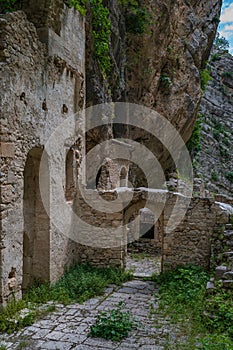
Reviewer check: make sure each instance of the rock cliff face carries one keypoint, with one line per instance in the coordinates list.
(214, 162)
(157, 51)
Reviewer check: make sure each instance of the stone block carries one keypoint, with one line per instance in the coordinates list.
(7, 149)
(228, 284)
(219, 272)
(228, 275)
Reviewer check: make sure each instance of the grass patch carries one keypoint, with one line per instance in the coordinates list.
(206, 320)
(78, 284)
(113, 324)
(139, 256)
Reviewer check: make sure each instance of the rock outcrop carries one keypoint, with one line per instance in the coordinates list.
(157, 51)
(214, 161)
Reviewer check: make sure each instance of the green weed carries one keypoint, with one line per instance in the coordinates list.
(78, 284)
(113, 324)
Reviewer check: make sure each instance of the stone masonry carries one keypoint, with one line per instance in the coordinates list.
(42, 85)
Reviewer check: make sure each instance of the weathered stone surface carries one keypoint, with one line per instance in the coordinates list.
(214, 161)
(62, 332)
(220, 271)
(35, 86)
(228, 283)
(228, 275)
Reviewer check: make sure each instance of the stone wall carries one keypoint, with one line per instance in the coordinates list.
(42, 85)
(100, 234)
(190, 242)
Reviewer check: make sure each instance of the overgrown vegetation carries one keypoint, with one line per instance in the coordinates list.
(9, 5)
(206, 319)
(77, 285)
(79, 5)
(214, 176)
(221, 43)
(101, 29)
(165, 81)
(229, 176)
(194, 143)
(137, 18)
(113, 324)
(205, 78)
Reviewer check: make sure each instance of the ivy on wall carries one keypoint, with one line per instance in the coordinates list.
(101, 29)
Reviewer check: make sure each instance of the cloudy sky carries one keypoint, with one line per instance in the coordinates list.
(226, 22)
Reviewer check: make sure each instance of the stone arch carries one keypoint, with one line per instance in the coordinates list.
(36, 236)
(123, 177)
(70, 176)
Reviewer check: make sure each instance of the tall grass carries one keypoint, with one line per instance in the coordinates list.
(78, 284)
(206, 320)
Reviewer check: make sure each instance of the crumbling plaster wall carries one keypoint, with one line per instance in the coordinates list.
(42, 85)
(187, 243)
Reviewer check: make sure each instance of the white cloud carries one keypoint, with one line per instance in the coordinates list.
(227, 15)
(229, 27)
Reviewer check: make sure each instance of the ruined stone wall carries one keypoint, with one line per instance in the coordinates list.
(190, 242)
(105, 247)
(41, 87)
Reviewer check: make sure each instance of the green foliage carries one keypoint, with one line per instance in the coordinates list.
(227, 75)
(113, 324)
(79, 5)
(215, 342)
(101, 27)
(221, 42)
(219, 312)
(3, 347)
(229, 176)
(194, 143)
(216, 19)
(205, 78)
(165, 80)
(182, 290)
(207, 320)
(231, 219)
(215, 57)
(214, 176)
(23, 344)
(78, 284)
(137, 17)
(9, 5)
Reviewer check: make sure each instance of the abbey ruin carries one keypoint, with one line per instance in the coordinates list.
(50, 74)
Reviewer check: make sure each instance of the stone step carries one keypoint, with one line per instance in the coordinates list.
(228, 275)
(228, 284)
(229, 226)
(228, 254)
(228, 234)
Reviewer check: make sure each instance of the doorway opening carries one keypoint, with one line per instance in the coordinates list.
(36, 236)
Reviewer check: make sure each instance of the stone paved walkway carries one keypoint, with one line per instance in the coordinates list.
(143, 267)
(68, 327)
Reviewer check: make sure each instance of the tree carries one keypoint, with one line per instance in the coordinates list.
(221, 42)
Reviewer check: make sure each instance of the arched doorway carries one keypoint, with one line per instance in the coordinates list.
(36, 237)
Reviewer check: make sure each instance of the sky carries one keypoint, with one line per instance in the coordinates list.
(226, 22)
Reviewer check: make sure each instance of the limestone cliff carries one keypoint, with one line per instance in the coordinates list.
(214, 162)
(157, 51)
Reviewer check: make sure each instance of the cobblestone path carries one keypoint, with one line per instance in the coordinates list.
(68, 327)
